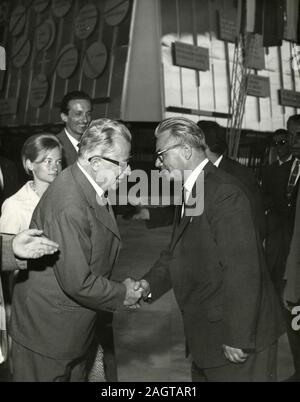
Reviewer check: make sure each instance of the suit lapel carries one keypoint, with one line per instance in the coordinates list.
(181, 225)
(89, 193)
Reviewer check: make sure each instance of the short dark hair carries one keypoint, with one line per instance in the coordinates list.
(280, 131)
(293, 120)
(215, 136)
(64, 107)
(38, 145)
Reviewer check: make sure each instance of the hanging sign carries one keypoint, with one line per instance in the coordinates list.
(256, 52)
(289, 98)
(227, 29)
(190, 56)
(258, 86)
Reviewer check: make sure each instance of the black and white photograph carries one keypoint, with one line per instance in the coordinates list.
(149, 206)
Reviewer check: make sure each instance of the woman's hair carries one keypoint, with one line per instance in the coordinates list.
(37, 147)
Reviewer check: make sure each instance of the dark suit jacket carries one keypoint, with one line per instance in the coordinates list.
(292, 274)
(216, 267)
(56, 301)
(10, 179)
(69, 152)
(280, 215)
(251, 189)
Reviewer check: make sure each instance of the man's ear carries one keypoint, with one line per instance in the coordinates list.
(64, 117)
(187, 151)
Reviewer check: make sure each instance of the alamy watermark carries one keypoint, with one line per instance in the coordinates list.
(151, 190)
(2, 58)
(296, 319)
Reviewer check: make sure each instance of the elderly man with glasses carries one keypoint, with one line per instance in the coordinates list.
(55, 306)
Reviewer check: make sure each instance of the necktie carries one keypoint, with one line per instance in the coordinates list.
(293, 179)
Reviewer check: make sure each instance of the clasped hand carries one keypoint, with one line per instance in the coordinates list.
(135, 292)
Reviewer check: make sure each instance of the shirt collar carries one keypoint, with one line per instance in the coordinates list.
(218, 161)
(96, 186)
(191, 180)
(73, 141)
(282, 162)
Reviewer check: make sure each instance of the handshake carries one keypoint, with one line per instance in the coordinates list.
(136, 291)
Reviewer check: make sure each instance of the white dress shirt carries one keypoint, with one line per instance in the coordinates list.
(73, 141)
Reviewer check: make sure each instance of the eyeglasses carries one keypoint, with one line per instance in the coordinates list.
(121, 164)
(279, 142)
(160, 154)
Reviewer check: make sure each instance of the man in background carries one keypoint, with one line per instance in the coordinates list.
(292, 272)
(279, 212)
(76, 113)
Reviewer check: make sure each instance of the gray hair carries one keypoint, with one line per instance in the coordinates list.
(184, 131)
(102, 133)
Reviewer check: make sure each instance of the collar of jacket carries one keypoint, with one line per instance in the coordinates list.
(87, 192)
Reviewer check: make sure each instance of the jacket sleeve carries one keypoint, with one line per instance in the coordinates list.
(234, 233)
(292, 272)
(72, 268)
(8, 260)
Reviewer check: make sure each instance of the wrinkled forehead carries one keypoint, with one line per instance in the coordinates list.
(164, 140)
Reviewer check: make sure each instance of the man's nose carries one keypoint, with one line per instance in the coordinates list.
(128, 170)
(158, 163)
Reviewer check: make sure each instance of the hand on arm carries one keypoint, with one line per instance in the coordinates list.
(31, 244)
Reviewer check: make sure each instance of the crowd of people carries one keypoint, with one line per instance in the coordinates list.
(233, 266)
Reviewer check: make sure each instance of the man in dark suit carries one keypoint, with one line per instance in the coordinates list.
(280, 215)
(55, 305)
(292, 287)
(75, 112)
(216, 266)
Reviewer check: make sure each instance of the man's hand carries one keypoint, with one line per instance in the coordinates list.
(31, 244)
(145, 287)
(235, 355)
(133, 293)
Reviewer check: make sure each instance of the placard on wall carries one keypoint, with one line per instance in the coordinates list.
(190, 56)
